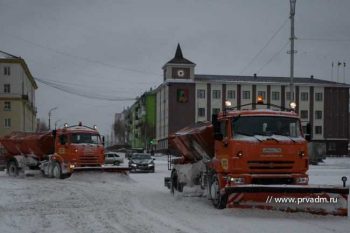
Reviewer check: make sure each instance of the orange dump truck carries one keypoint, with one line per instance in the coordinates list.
(251, 159)
(57, 153)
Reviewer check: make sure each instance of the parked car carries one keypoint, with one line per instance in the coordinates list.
(141, 162)
(128, 153)
(113, 158)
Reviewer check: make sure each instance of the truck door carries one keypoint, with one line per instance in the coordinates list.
(61, 145)
(222, 144)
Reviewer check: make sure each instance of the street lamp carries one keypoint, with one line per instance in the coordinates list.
(292, 51)
(57, 122)
(50, 116)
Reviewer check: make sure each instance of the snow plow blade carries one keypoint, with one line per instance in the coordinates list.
(322, 200)
(124, 170)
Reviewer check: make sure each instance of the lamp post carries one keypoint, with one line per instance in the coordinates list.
(52, 109)
(57, 122)
(292, 51)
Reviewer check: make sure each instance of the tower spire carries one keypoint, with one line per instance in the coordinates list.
(178, 53)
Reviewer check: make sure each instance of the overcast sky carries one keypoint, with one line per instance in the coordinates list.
(116, 48)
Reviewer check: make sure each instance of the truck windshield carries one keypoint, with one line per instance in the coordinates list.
(266, 125)
(86, 138)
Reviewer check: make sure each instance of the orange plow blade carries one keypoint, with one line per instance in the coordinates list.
(322, 200)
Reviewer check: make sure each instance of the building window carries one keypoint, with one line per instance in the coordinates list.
(7, 123)
(318, 129)
(7, 70)
(216, 94)
(288, 95)
(275, 95)
(262, 94)
(216, 110)
(201, 94)
(318, 96)
(318, 115)
(332, 146)
(231, 94)
(304, 96)
(304, 114)
(7, 88)
(246, 95)
(7, 106)
(201, 112)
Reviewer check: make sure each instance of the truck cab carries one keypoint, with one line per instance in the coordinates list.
(260, 147)
(78, 146)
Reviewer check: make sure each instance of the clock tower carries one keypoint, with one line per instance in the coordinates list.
(178, 67)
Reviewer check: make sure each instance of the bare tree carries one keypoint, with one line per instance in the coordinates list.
(42, 126)
(119, 131)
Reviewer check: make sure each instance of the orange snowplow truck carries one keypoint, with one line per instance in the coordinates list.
(251, 159)
(57, 153)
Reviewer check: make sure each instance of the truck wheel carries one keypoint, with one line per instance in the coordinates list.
(67, 175)
(57, 171)
(219, 200)
(12, 169)
(49, 170)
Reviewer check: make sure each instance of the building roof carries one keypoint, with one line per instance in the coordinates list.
(9, 58)
(4, 55)
(263, 79)
(178, 58)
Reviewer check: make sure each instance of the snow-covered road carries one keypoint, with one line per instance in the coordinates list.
(108, 202)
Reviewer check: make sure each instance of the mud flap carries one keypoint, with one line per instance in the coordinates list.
(322, 200)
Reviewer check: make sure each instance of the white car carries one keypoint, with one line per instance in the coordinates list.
(113, 158)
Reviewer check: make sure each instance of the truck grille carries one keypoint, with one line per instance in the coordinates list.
(272, 180)
(88, 160)
(270, 165)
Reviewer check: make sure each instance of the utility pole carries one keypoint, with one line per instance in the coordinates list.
(50, 116)
(292, 51)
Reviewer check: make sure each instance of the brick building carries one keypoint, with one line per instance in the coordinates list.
(185, 97)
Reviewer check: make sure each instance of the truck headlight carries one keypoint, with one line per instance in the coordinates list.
(236, 180)
(302, 180)
(133, 165)
(71, 166)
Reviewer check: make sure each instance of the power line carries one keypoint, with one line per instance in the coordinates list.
(70, 90)
(83, 58)
(325, 39)
(273, 57)
(267, 44)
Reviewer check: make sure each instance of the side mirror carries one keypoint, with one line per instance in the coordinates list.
(103, 140)
(63, 139)
(218, 136)
(308, 134)
(308, 128)
(308, 137)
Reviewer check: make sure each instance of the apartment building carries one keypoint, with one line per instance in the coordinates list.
(17, 95)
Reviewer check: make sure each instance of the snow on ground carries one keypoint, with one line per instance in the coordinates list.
(109, 202)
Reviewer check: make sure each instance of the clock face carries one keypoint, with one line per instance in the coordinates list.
(180, 73)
